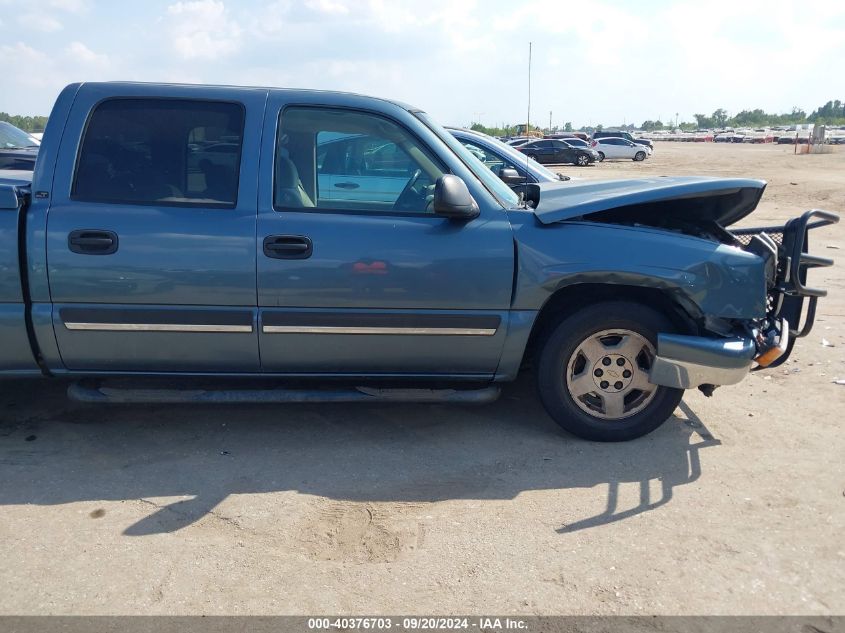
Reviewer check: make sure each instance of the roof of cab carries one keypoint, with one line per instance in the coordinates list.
(399, 104)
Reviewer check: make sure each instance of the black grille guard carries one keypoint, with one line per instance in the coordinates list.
(787, 297)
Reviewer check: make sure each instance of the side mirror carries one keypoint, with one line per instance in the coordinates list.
(9, 198)
(510, 176)
(453, 200)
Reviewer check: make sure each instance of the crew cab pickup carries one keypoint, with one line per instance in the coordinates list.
(209, 231)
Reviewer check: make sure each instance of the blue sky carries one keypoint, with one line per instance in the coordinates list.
(461, 60)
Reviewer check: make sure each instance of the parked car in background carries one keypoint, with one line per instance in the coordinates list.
(520, 140)
(18, 150)
(612, 134)
(566, 136)
(759, 135)
(801, 138)
(647, 142)
(620, 148)
(577, 142)
(360, 168)
(500, 157)
(556, 151)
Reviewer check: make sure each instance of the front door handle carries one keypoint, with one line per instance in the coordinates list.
(92, 242)
(347, 185)
(288, 246)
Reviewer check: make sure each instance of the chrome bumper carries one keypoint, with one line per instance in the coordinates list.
(686, 362)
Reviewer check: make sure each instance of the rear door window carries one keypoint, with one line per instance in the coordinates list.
(161, 152)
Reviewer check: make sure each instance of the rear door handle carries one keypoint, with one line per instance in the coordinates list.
(347, 185)
(92, 242)
(288, 246)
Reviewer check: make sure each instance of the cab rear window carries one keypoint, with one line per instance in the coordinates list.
(161, 152)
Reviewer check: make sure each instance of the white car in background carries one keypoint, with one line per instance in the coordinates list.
(613, 147)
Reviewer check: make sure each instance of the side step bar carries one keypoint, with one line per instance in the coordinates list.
(112, 395)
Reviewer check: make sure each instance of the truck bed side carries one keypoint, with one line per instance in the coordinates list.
(15, 351)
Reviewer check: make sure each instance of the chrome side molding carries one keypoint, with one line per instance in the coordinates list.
(159, 327)
(413, 331)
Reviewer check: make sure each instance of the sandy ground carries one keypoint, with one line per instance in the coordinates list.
(734, 506)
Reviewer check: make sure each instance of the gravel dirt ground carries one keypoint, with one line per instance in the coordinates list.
(735, 506)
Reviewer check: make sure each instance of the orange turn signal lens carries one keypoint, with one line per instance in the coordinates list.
(767, 358)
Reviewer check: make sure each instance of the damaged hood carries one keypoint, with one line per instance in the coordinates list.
(690, 198)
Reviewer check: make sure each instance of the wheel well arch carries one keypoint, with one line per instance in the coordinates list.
(567, 300)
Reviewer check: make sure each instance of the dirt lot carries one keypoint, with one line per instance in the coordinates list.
(735, 506)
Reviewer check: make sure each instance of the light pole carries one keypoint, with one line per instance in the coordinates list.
(528, 118)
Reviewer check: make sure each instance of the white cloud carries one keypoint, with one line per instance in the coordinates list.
(603, 61)
(332, 7)
(71, 6)
(40, 22)
(20, 53)
(84, 55)
(44, 7)
(29, 69)
(202, 29)
(38, 75)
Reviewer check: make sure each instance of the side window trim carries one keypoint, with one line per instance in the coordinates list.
(206, 204)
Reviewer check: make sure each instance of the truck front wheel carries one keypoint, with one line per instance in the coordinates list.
(593, 372)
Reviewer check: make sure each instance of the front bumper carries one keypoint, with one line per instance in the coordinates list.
(691, 361)
(685, 362)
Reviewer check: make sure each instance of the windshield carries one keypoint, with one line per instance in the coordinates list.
(491, 181)
(13, 138)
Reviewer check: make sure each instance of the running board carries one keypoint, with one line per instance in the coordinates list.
(112, 395)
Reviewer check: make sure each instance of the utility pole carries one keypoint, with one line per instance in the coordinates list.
(550, 121)
(528, 118)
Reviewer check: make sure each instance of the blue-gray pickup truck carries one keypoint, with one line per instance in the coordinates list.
(207, 232)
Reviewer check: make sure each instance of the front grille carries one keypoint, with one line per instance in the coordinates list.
(744, 236)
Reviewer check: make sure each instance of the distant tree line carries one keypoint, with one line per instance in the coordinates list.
(831, 113)
(26, 123)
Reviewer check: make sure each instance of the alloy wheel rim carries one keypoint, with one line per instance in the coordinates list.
(607, 374)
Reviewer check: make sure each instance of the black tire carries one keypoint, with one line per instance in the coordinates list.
(639, 156)
(645, 411)
(582, 160)
(601, 156)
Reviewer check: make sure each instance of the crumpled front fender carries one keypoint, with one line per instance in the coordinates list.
(711, 279)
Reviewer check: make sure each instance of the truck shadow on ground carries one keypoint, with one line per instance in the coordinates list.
(53, 452)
